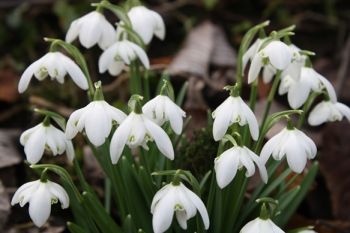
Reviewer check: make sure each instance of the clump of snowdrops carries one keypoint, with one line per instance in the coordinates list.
(135, 146)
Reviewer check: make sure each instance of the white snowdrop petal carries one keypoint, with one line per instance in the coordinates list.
(73, 31)
(27, 76)
(175, 115)
(19, 194)
(329, 87)
(345, 110)
(40, 206)
(251, 119)
(141, 54)
(120, 138)
(226, 166)
(268, 73)
(71, 127)
(159, 195)
(222, 120)
(107, 58)
(200, 206)
(255, 68)
(57, 191)
(159, 27)
(90, 30)
(26, 134)
(116, 68)
(319, 114)
(70, 150)
(75, 73)
(297, 95)
(108, 34)
(279, 54)
(259, 163)
(163, 213)
(35, 146)
(296, 157)
(161, 139)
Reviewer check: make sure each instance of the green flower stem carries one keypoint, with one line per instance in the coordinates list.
(135, 79)
(108, 195)
(271, 97)
(252, 103)
(306, 108)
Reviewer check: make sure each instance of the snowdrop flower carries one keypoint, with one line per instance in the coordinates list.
(40, 195)
(145, 23)
(96, 118)
(299, 90)
(293, 144)
(307, 231)
(136, 130)
(45, 136)
(92, 28)
(161, 109)
(120, 53)
(260, 225)
(56, 65)
(237, 157)
(179, 199)
(233, 110)
(328, 111)
(276, 53)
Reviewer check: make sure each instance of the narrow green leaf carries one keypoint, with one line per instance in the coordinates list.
(182, 93)
(74, 228)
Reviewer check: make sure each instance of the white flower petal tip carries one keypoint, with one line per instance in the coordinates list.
(136, 130)
(35, 140)
(145, 23)
(40, 195)
(278, 55)
(227, 164)
(56, 65)
(92, 29)
(292, 143)
(97, 119)
(162, 109)
(328, 111)
(234, 110)
(259, 225)
(307, 231)
(120, 53)
(176, 199)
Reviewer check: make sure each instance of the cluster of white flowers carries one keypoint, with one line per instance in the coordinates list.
(144, 123)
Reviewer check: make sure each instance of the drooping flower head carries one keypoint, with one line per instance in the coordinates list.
(294, 145)
(299, 90)
(56, 65)
(96, 118)
(328, 111)
(136, 130)
(260, 225)
(145, 23)
(92, 28)
(237, 157)
(233, 110)
(40, 195)
(162, 109)
(178, 199)
(45, 136)
(120, 53)
(275, 53)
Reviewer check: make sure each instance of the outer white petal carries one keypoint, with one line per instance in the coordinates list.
(107, 58)
(26, 134)
(199, 205)
(108, 35)
(120, 138)
(97, 124)
(27, 76)
(20, 194)
(140, 54)
(71, 127)
(329, 87)
(226, 166)
(345, 110)
(273, 227)
(251, 119)
(159, 195)
(163, 213)
(268, 73)
(159, 26)
(297, 95)
(91, 30)
(161, 139)
(40, 206)
(295, 154)
(34, 148)
(75, 72)
(252, 227)
(247, 162)
(279, 54)
(70, 150)
(319, 114)
(250, 53)
(73, 31)
(116, 68)
(58, 192)
(270, 146)
(260, 164)
(222, 119)
(114, 113)
(255, 68)
(175, 115)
